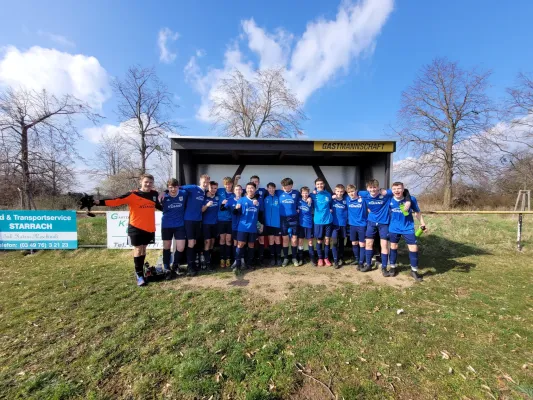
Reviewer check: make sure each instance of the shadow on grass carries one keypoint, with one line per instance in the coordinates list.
(441, 254)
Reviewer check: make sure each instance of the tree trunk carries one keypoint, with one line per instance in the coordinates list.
(448, 173)
(26, 182)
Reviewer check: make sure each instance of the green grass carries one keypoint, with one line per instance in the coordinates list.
(73, 325)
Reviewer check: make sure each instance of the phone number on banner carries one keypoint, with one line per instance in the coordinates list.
(13, 245)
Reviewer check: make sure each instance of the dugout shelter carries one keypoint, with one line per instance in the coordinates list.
(303, 160)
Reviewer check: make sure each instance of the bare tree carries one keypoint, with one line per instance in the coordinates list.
(31, 121)
(262, 107)
(443, 121)
(113, 156)
(144, 103)
(514, 138)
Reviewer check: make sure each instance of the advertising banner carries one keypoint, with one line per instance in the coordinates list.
(117, 230)
(38, 230)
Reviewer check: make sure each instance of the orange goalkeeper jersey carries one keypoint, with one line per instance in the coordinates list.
(142, 207)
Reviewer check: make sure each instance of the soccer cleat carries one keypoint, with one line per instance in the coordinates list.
(341, 262)
(385, 273)
(285, 262)
(392, 271)
(327, 262)
(192, 272)
(272, 262)
(228, 263)
(355, 262)
(336, 264)
(358, 267)
(313, 262)
(300, 263)
(416, 276)
(140, 280)
(366, 268)
(168, 273)
(279, 262)
(202, 262)
(222, 263)
(295, 262)
(234, 265)
(320, 262)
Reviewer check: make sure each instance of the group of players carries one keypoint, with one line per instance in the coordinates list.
(242, 219)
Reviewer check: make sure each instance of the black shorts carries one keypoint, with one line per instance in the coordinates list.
(209, 231)
(141, 238)
(193, 229)
(224, 227)
(271, 231)
(177, 233)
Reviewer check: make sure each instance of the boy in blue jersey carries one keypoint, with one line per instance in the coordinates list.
(305, 226)
(224, 221)
(193, 219)
(210, 210)
(357, 218)
(248, 209)
(404, 226)
(377, 202)
(229, 205)
(322, 220)
(340, 217)
(272, 227)
(173, 225)
(289, 198)
(260, 193)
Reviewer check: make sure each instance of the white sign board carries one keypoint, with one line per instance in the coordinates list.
(117, 230)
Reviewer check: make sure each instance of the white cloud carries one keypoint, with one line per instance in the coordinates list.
(326, 48)
(166, 35)
(58, 39)
(58, 72)
(125, 129)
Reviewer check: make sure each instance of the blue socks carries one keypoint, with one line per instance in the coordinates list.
(393, 256)
(319, 251)
(166, 258)
(326, 251)
(311, 253)
(294, 252)
(191, 258)
(369, 254)
(355, 249)
(413, 258)
(384, 260)
(335, 252)
(362, 252)
(285, 252)
(238, 255)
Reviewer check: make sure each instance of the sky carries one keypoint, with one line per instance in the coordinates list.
(348, 62)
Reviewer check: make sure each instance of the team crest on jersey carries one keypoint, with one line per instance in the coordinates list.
(380, 196)
(155, 198)
(181, 198)
(216, 197)
(327, 198)
(344, 202)
(294, 195)
(359, 200)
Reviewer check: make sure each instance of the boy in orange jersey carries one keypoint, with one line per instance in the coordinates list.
(141, 227)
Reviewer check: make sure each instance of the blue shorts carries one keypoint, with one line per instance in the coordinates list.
(373, 227)
(177, 233)
(322, 231)
(409, 238)
(338, 232)
(305, 233)
(247, 237)
(193, 229)
(224, 227)
(289, 222)
(357, 233)
(210, 231)
(271, 231)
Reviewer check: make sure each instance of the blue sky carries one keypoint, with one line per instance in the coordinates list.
(351, 86)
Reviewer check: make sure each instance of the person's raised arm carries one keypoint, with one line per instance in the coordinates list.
(158, 204)
(118, 201)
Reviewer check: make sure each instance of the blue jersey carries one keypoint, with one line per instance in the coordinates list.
(289, 202)
(322, 208)
(174, 210)
(230, 206)
(223, 195)
(195, 200)
(400, 223)
(357, 211)
(305, 215)
(210, 215)
(378, 206)
(340, 212)
(249, 215)
(271, 207)
(262, 193)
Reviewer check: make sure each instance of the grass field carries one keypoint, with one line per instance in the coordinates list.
(74, 325)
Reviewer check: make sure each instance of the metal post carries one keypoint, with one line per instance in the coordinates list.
(519, 233)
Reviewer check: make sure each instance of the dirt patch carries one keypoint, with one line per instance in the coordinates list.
(276, 283)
